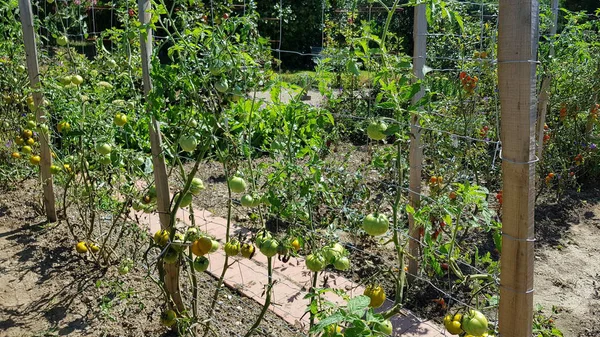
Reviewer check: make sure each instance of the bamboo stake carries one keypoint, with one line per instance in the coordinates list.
(545, 87)
(416, 150)
(158, 160)
(517, 52)
(34, 80)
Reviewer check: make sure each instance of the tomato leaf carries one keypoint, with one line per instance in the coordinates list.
(333, 319)
(358, 304)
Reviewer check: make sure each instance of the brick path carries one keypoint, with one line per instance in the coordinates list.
(292, 279)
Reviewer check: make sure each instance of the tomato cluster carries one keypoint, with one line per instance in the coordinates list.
(468, 83)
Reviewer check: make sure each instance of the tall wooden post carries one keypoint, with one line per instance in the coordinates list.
(416, 150)
(545, 87)
(34, 80)
(171, 277)
(517, 53)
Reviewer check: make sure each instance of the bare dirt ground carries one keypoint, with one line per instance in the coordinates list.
(567, 259)
(46, 289)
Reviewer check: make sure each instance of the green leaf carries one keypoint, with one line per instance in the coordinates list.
(333, 319)
(410, 209)
(352, 67)
(357, 305)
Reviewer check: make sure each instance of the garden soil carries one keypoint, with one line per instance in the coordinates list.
(46, 289)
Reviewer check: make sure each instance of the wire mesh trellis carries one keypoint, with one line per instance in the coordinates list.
(469, 126)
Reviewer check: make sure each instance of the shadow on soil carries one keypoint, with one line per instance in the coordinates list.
(553, 219)
(71, 275)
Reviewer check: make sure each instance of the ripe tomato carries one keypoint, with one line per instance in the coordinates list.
(35, 160)
(204, 245)
(16, 155)
(81, 247)
(94, 248)
(296, 244)
(63, 127)
(247, 250)
(161, 237)
(376, 224)
(27, 134)
(120, 119)
(376, 294)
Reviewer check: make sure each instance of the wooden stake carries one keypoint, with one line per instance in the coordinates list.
(545, 88)
(416, 150)
(34, 81)
(158, 160)
(517, 54)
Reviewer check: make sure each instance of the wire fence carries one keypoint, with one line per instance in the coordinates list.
(468, 59)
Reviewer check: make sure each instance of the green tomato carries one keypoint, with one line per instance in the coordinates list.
(168, 318)
(333, 252)
(474, 323)
(384, 327)
(103, 148)
(222, 86)
(343, 263)
(261, 237)
(214, 246)
(31, 124)
(196, 186)
(62, 40)
(247, 201)
(171, 256)
(192, 234)
(201, 264)
(188, 143)
(232, 248)
(65, 80)
(376, 130)
(105, 159)
(269, 247)
(376, 224)
(120, 119)
(237, 185)
(186, 200)
(315, 262)
(76, 79)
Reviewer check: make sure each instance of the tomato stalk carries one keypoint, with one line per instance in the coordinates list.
(313, 299)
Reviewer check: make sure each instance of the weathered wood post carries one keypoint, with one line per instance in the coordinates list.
(416, 149)
(171, 277)
(517, 59)
(34, 80)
